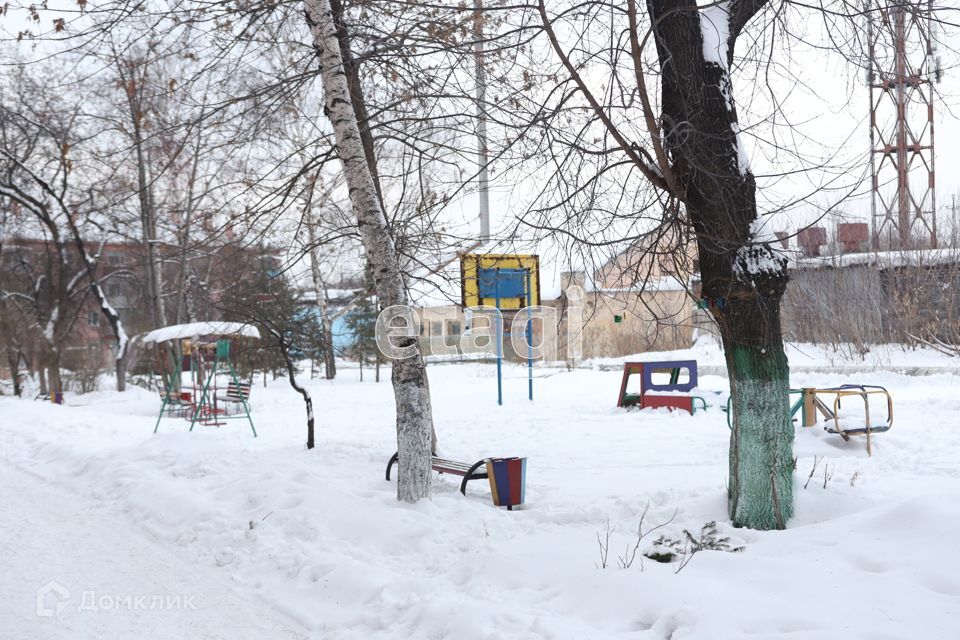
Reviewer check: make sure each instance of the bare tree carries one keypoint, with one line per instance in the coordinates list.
(412, 395)
(273, 305)
(36, 173)
(133, 75)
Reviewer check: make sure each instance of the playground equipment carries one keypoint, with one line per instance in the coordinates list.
(213, 392)
(673, 395)
(510, 283)
(810, 403)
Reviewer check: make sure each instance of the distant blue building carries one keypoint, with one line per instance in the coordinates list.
(343, 337)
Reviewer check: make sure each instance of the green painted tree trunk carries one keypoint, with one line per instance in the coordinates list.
(760, 487)
(743, 275)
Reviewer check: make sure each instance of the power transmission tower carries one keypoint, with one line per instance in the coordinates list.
(901, 73)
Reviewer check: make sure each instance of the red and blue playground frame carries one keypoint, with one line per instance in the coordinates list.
(673, 395)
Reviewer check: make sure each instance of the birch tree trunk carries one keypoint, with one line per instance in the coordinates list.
(133, 87)
(743, 277)
(148, 221)
(323, 307)
(184, 314)
(409, 376)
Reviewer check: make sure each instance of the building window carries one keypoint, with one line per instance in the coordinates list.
(93, 318)
(113, 259)
(436, 329)
(453, 328)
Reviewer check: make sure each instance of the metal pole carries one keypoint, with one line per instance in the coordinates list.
(496, 289)
(529, 332)
(483, 158)
(931, 61)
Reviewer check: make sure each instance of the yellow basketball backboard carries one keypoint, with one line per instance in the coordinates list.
(507, 281)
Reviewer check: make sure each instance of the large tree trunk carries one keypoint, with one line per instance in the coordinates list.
(743, 277)
(414, 416)
(352, 73)
(761, 455)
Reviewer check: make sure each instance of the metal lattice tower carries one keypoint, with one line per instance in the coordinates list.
(901, 74)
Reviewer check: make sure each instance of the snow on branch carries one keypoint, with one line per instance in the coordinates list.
(760, 256)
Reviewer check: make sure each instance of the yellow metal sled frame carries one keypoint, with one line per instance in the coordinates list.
(809, 404)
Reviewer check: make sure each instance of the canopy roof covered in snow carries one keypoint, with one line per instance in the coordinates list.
(197, 329)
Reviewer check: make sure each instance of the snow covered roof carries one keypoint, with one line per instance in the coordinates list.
(310, 295)
(664, 283)
(881, 259)
(197, 329)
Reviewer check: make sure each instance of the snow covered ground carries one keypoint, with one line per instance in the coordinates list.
(216, 534)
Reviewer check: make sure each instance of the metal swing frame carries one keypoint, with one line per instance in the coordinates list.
(203, 407)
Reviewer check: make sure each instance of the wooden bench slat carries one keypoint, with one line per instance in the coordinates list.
(476, 471)
(237, 392)
(450, 466)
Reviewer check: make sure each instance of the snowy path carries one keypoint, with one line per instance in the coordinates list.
(49, 535)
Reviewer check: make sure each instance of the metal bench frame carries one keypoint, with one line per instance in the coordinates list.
(454, 468)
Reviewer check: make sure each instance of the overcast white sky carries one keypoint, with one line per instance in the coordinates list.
(830, 111)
